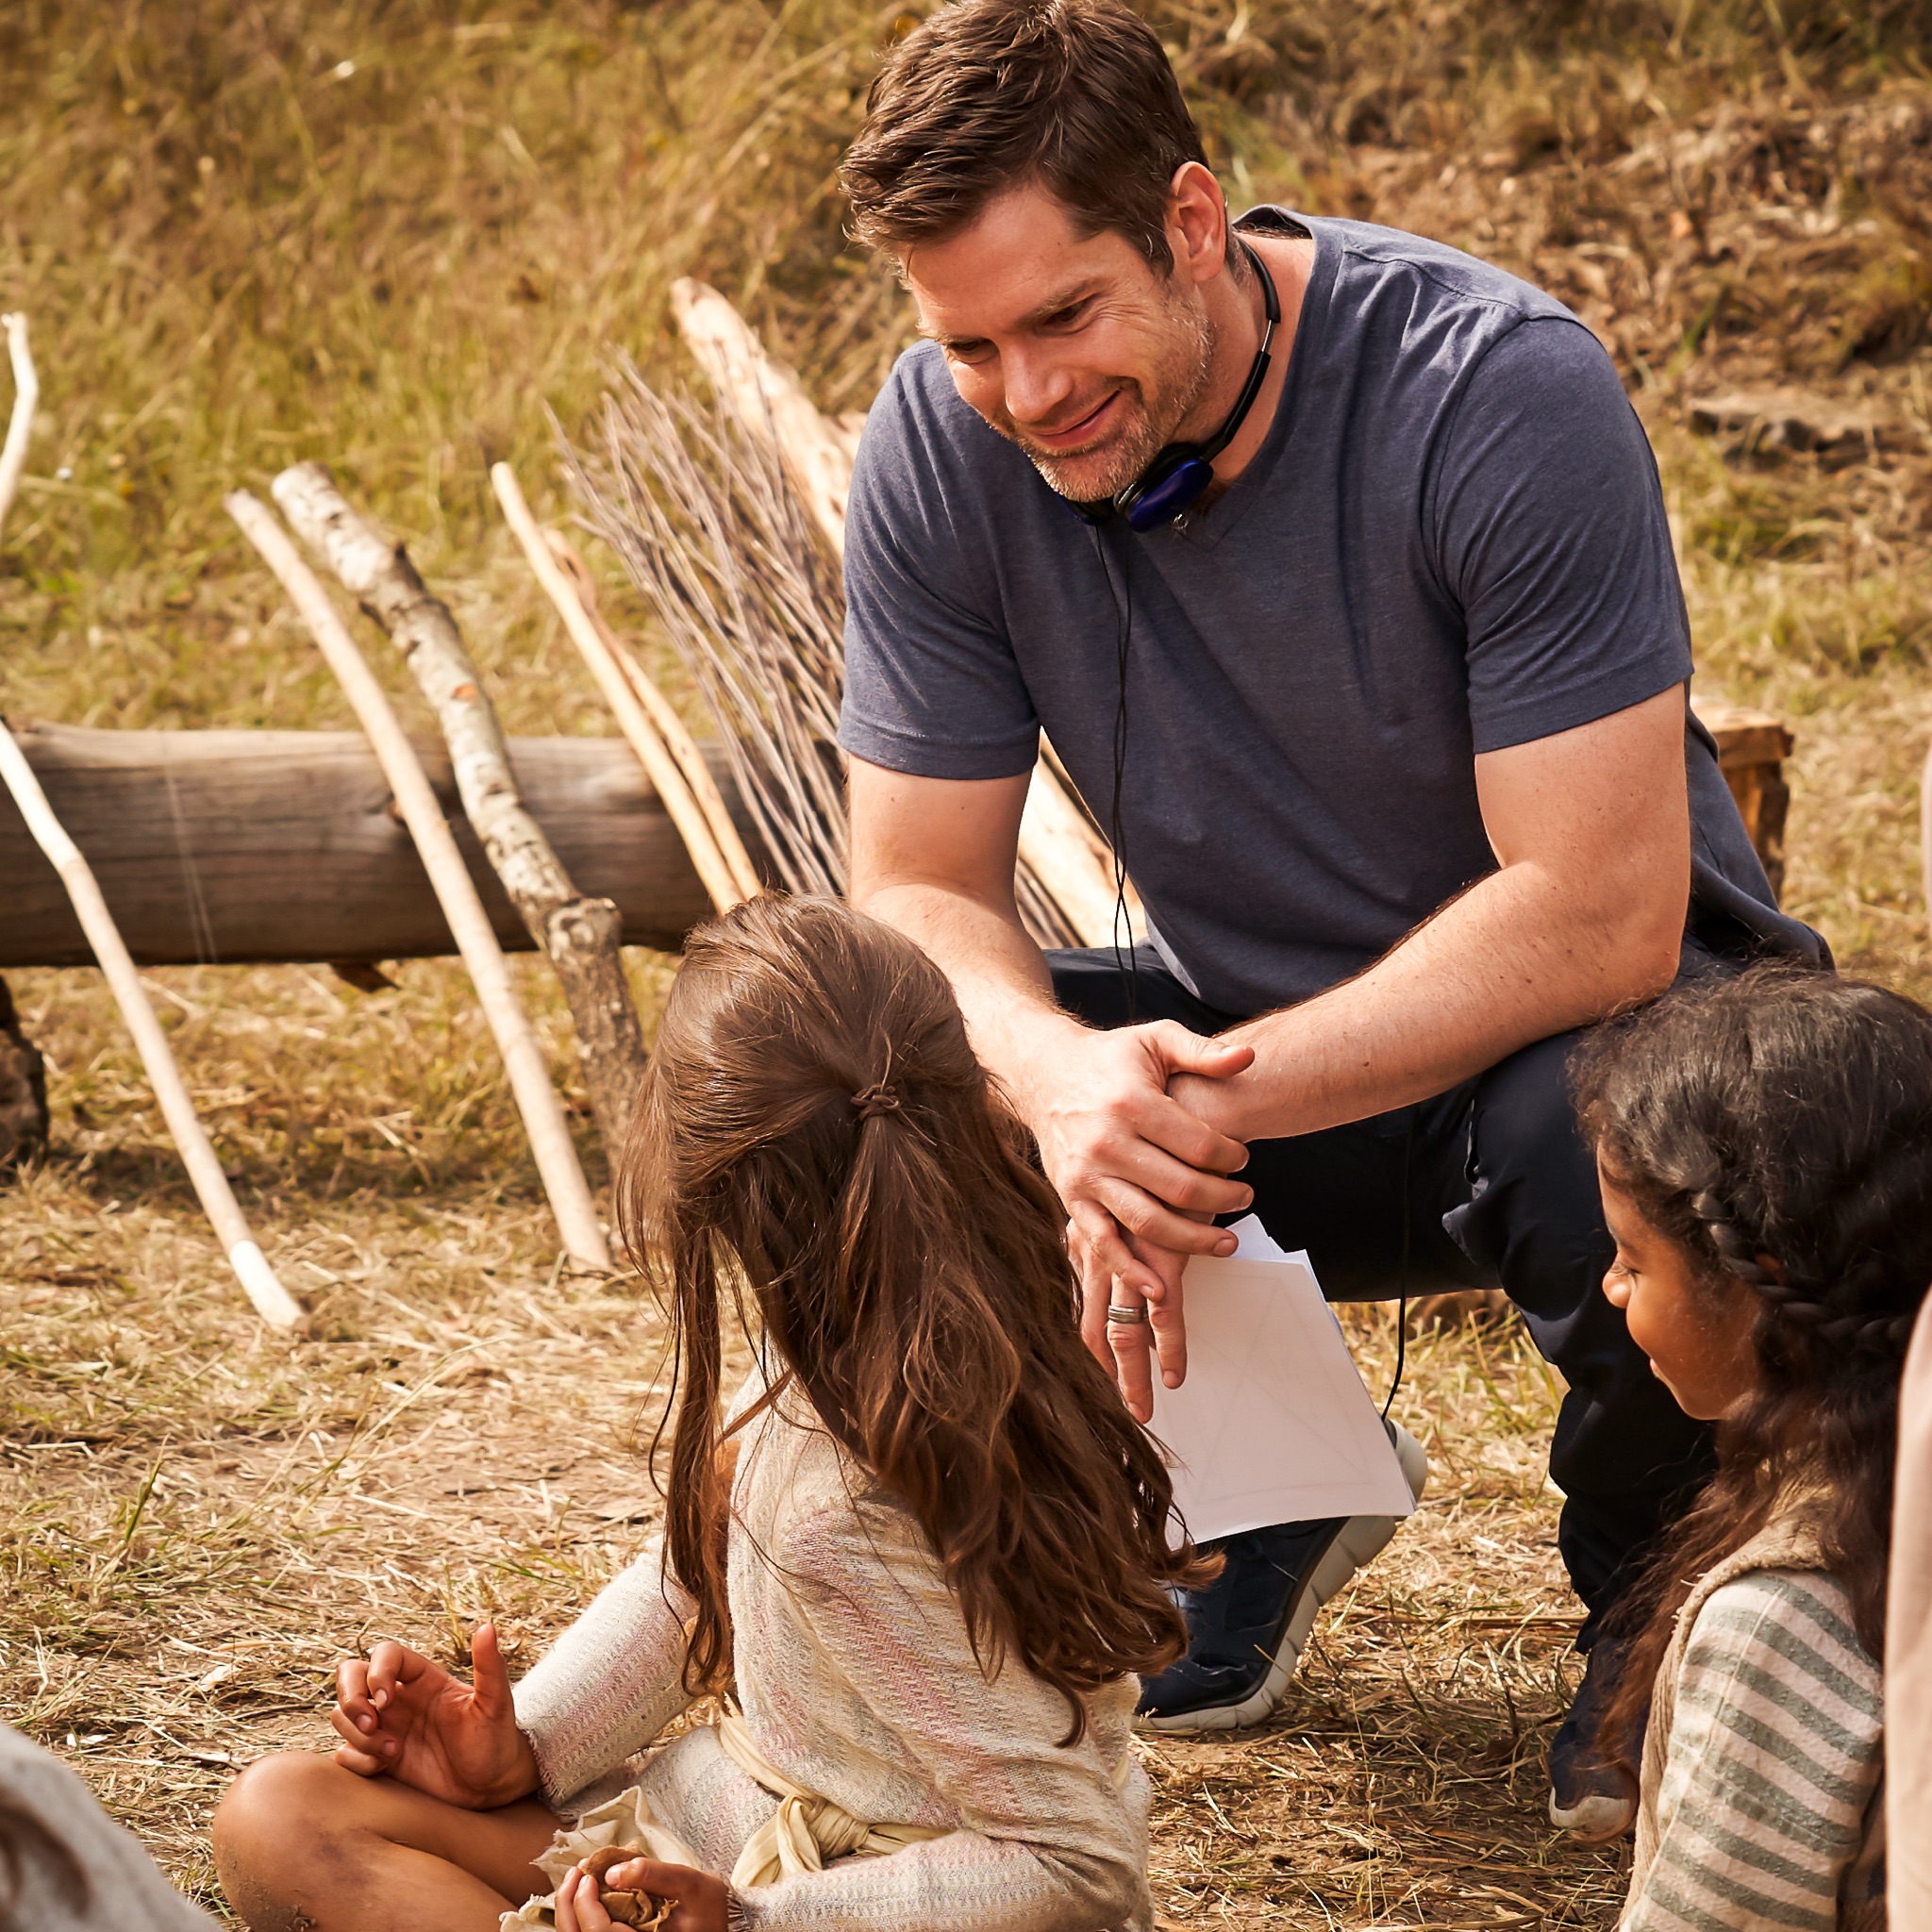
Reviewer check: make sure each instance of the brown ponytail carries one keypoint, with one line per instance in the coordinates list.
(815, 1120)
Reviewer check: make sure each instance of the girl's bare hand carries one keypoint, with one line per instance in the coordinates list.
(702, 1903)
(400, 1715)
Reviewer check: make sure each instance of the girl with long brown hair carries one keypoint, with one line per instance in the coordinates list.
(1765, 1151)
(918, 1560)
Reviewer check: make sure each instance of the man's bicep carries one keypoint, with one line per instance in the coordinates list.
(1602, 812)
(959, 834)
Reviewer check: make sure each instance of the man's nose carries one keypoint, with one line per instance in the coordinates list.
(1036, 385)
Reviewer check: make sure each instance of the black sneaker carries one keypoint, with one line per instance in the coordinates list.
(1246, 1629)
(1588, 1795)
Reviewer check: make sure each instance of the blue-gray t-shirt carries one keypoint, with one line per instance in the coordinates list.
(1452, 540)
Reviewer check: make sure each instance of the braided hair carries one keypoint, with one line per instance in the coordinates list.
(1778, 1128)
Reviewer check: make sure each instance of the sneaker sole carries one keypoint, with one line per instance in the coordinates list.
(1358, 1542)
(1595, 1816)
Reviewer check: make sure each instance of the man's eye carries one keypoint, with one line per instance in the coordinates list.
(1069, 318)
(969, 352)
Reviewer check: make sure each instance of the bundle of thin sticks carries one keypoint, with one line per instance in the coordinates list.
(709, 524)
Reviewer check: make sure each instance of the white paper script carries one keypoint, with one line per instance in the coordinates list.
(1273, 1424)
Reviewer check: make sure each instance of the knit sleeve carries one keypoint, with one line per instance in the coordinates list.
(1048, 1838)
(612, 1682)
(1771, 1762)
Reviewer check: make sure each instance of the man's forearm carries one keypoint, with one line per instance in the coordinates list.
(1507, 963)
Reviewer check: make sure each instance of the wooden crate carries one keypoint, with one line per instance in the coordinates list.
(1752, 747)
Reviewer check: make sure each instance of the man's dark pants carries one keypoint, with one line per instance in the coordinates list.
(1488, 1185)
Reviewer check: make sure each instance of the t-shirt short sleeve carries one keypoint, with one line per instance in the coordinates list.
(932, 687)
(1549, 530)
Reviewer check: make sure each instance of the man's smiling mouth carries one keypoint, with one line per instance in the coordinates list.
(1065, 441)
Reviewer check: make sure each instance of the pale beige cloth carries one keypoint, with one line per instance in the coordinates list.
(1908, 1651)
(125, 1892)
(1789, 1541)
(804, 1833)
(858, 1678)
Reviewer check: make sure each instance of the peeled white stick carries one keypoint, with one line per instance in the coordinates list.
(26, 397)
(671, 783)
(273, 1302)
(670, 727)
(455, 892)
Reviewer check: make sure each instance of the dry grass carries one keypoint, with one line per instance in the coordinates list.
(387, 237)
(196, 1518)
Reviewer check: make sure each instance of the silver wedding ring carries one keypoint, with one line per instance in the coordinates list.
(1125, 1318)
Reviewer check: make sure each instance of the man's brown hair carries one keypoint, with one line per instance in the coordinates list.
(986, 95)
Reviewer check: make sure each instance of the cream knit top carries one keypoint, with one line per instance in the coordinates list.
(857, 1679)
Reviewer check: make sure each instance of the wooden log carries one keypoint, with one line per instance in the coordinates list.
(818, 449)
(255, 846)
(522, 1059)
(273, 1302)
(23, 1121)
(580, 936)
(1057, 846)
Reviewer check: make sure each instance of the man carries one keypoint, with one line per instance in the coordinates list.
(1390, 727)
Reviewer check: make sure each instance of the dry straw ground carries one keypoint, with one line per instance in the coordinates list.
(385, 236)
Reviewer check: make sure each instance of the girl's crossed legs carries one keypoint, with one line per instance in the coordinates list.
(304, 1846)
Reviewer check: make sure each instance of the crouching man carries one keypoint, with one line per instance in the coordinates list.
(1334, 564)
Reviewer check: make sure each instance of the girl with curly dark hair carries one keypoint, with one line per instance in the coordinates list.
(1765, 1151)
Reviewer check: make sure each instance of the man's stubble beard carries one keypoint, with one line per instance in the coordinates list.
(1160, 406)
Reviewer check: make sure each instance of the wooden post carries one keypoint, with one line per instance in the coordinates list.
(1067, 858)
(20, 425)
(726, 868)
(529, 1079)
(273, 1302)
(583, 938)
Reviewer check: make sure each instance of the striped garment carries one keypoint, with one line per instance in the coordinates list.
(857, 1682)
(1762, 1813)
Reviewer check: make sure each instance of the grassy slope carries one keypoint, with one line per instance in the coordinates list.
(390, 235)
(237, 251)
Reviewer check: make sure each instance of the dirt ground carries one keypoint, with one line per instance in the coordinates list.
(197, 1518)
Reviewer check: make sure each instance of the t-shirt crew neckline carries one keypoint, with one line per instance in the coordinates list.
(1212, 526)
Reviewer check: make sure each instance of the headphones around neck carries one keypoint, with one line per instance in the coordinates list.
(1175, 480)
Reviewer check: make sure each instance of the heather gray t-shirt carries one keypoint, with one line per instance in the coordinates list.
(1452, 540)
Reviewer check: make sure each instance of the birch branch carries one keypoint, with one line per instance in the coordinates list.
(20, 426)
(582, 937)
(273, 1302)
(725, 868)
(529, 1079)
(1056, 844)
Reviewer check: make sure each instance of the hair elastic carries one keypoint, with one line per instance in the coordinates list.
(879, 1098)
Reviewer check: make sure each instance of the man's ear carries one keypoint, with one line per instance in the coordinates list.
(1196, 222)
